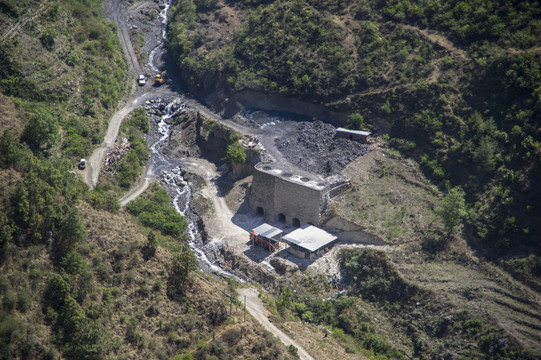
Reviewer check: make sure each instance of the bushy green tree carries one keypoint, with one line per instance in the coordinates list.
(42, 130)
(73, 263)
(235, 153)
(356, 122)
(182, 265)
(151, 246)
(70, 231)
(452, 210)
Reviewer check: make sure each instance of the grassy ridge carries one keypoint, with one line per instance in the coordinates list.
(77, 71)
(453, 84)
(80, 279)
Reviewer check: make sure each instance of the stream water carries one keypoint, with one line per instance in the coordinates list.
(177, 187)
(169, 170)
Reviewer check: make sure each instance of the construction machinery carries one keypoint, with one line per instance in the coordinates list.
(160, 78)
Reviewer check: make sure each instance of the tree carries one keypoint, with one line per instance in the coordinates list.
(356, 122)
(235, 153)
(453, 209)
(152, 244)
(42, 130)
(183, 264)
(70, 231)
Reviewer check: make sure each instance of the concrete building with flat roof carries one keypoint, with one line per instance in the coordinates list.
(266, 236)
(293, 199)
(309, 241)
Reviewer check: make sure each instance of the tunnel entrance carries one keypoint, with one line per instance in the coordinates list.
(296, 222)
(281, 217)
(259, 211)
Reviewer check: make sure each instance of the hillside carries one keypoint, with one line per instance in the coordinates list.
(81, 278)
(453, 85)
(451, 91)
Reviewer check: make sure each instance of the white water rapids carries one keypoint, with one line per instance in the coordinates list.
(163, 17)
(171, 175)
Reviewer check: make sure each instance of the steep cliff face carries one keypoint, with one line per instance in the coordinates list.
(194, 135)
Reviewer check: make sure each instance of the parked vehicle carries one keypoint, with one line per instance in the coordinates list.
(141, 80)
(82, 164)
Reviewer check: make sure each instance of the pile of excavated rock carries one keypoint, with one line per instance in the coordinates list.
(315, 149)
(251, 142)
(113, 157)
(156, 109)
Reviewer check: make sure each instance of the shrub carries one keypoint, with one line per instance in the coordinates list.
(9, 301)
(73, 263)
(232, 336)
(182, 265)
(453, 209)
(23, 301)
(42, 130)
(235, 153)
(292, 349)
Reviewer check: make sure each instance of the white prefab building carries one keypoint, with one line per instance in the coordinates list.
(309, 241)
(356, 135)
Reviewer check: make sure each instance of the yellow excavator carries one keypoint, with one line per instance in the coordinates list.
(160, 78)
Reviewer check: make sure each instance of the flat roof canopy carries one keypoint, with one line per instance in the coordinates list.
(358, 132)
(267, 231)
(309, 237)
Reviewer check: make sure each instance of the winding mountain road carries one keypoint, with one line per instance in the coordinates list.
(118, 14)
(255, 306)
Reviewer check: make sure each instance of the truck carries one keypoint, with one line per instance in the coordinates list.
(160, 78)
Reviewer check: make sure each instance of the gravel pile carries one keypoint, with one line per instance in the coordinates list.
(315, 149)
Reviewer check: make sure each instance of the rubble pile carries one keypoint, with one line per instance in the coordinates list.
(251, 142)
(157, 108)
(113, 157)
(315, 149)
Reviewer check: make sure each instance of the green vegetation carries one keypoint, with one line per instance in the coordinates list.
(72, 265)
(379, 300)
(453, 209)
(458, 83)
(76, 78)
(133, 163)
(235, 153)
(156, 212)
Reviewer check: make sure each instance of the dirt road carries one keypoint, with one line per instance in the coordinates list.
(146, 180)
(258, 311)
(223, 228)
(117, 14)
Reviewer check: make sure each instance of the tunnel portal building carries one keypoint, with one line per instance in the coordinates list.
(295, 200)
